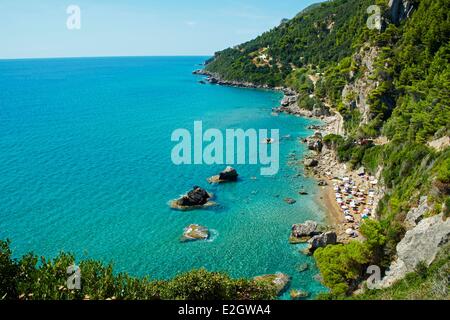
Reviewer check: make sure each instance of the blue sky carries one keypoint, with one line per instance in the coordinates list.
(36, 29)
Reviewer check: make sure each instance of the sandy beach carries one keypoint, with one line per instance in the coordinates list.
(327, 201)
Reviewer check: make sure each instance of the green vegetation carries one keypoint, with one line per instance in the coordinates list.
(344, 266)
(316, 36)
(41, 279)
(409, 105)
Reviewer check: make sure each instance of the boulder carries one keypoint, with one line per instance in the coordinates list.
(303, 192)
(303, 231)
(322, 183)
(195, 232)
(415, 215)
(290, 201)
(321, 241)
(298, 294)
(311, 163)
(319, 111)
(303, 267)
(195, 198)
(315, 144)
(288, 100)
(279, 280)
(228, 175)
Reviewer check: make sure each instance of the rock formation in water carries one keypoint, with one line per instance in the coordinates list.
(195, 232)
(228, 175)
(196, 198)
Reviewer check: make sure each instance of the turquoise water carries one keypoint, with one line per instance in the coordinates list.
(85, 167)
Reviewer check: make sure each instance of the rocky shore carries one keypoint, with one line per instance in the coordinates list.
(213, 78)
(322, 161)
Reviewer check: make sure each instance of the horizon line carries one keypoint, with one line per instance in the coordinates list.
(106, 56)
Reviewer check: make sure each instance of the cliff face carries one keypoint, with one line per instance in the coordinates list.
(420, 245)
(355, 94)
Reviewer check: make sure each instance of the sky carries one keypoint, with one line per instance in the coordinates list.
(38, 29)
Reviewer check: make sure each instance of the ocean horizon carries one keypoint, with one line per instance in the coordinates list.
(86, 168)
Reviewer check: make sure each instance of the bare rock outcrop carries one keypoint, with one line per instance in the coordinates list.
(321, 241)
(356, 93)
(228, 175)
(420, 245)
(302, 232)
(415, 215)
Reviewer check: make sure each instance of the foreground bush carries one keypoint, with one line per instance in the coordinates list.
(40, 279)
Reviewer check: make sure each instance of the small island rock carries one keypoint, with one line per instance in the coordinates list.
(228, 175)
(195, 232)
(196, 198)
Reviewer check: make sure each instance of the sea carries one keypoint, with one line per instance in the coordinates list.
(86, 168)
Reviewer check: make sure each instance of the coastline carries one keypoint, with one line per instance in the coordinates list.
(327, 169)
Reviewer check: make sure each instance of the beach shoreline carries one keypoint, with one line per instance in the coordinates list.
(325, 199)
(328, 168)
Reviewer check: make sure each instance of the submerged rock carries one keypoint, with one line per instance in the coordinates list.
(303, 267)
(290, 201)
(195, 232)
(228, 175)
(298, 294)
(303, 192)
(279, 280)
(196, 198)
(303, 232)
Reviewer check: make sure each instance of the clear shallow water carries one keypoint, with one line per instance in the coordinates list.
(85, 167)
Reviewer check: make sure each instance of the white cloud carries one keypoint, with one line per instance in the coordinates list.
(191, 23)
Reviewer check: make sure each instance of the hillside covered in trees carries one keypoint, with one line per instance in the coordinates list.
(390, 84)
